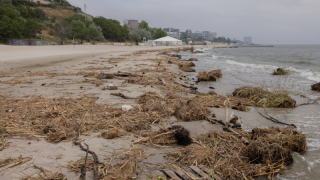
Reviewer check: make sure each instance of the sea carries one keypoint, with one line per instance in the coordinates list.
(253, 66)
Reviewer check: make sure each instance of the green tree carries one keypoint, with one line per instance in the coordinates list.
(7, 2)
(138, 34)
(144, 25)
(159, 33)
(93, 33)
(111, 29)
(63, 30)
(79, 29)
(11, 25)
(30, 12)
(31, 27)
(40, 14)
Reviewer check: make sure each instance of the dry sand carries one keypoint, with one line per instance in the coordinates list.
(18, 60)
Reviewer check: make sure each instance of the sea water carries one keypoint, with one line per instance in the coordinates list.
(253, 66)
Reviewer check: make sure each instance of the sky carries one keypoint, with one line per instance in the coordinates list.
(266, 21)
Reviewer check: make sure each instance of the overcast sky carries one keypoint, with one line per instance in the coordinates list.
(267, 21)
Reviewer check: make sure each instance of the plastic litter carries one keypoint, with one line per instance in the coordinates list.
(126, 108)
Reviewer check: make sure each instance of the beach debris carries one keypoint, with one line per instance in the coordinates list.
(263, 98)
(190, 110)
(187, 64)
(121, 95)
(3, 143)
(226, 155)
(280, 71)
(182, 135)
(105, 76)
(9, 110)
(193, 59)
(18, 161)
(110, 87)
(164, 137)
(240, 107)
(316, 87)
(287, 137)
(211, 88)
(262, 153)
(209, 76)
(187, 69)
(45, 174)
(113, 133)
(126, 107)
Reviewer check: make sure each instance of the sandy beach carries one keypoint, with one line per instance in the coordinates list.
(52, 94)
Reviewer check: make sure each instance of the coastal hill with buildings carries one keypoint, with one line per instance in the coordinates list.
(197, 37)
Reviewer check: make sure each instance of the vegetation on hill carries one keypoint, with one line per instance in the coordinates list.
(60, 21)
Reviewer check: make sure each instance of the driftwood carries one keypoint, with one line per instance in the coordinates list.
(125, 74)
(190, 87)
(84, 168)
(267, 116)
(121, 95)
(214, 121)
(309, 103)
(94, 155)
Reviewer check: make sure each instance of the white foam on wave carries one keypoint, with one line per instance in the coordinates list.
(306, 73)
(261, 66)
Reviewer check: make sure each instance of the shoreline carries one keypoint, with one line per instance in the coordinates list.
(73, 77)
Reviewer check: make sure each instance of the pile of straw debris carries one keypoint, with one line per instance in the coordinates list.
(230, 158)
(280, 71)
(316, 87)
(209, 76)
(264, 98)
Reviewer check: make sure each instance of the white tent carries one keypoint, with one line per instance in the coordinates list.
(168, 41)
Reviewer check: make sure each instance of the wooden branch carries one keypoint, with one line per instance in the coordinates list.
(309, 103)
(267, 116)
(121, 95)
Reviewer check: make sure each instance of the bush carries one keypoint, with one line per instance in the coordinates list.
(51, 33)
(40, 14)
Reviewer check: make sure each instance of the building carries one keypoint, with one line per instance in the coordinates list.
(132, 24)
(42, 1)
(189, 33)
(207, 35)
(204, 35)
(175, 33)
(197, 34)
(247, 40)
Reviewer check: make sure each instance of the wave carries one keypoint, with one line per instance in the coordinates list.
(306, 73)
(261, 66)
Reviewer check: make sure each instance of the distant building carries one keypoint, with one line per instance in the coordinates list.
(205, 35)
(247, 40)
(197, 34)
(42, 1)
(132, 24)
(189, 33)
(175, 33)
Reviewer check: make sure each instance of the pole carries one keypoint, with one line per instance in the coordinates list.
(73, 41)
(41, 40)
(85, 12)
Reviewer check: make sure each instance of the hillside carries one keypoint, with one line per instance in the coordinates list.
(62, 12)
(59, 13)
